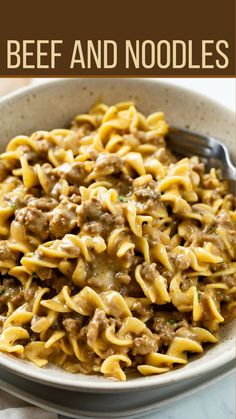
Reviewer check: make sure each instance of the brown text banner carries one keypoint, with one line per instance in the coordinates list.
(150, 38)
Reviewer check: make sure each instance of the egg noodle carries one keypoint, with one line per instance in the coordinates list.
(114, 255)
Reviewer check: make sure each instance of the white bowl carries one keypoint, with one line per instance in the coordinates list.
(53, 105)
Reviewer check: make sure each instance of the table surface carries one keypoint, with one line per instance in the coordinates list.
(217, 400)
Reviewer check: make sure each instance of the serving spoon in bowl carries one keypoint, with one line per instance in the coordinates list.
(214, 153)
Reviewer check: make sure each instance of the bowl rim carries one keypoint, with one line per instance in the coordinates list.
(154, 381)
(102, 385)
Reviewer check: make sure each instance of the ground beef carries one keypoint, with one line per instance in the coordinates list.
(164, 330)
(43, 204)
(10, 290)
(145, 345)
(5, 251)
(96, 325)
(63, 219)
(123, 278)
(150, 205)
(51, 278)
(229, 280)
(149, 136)
(90, 210)
(93, 218)
(187, 283)
(108, 163)
(72, 325)
(93, 227)
(110, 222)
(56, 281)
(152, 234)
(168, 329)
(132, 289)
(221, 266)
(18, 299)
(144, 194)
(6, 254)
(148, 198)
(102, 280)
(124, 184)
(224, 220)
(43, 146)
(14, 200)
(72, 250)
(73, 173)
(34, 220)
(141, 310)
(149, 272)
(29, 293)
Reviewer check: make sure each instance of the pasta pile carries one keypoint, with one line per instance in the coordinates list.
(114, 256)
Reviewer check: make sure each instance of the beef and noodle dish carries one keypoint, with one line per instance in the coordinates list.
(114, 255)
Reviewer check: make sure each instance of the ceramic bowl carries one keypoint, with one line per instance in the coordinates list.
(53, 105)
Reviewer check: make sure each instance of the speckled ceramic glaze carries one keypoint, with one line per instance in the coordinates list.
(53, 105)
